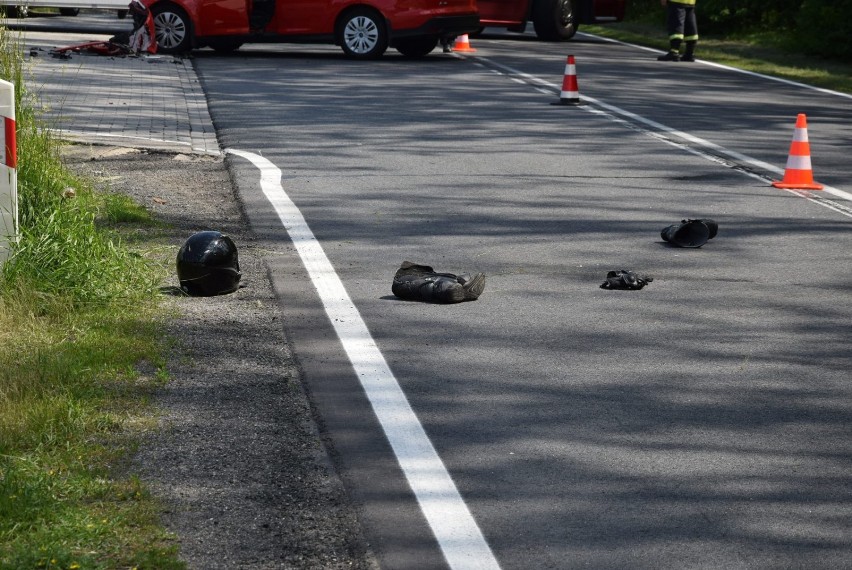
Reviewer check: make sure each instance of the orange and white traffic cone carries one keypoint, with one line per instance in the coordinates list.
(463, 44)
(570, 94)
(799, 174)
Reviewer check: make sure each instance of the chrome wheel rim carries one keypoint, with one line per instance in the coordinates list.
(361, 35)
(170, 30)
(566, 12)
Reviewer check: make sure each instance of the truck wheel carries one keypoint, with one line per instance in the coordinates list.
(554, 20)
(362, 34)
(69, 11)
(416, 47)
(171, 28)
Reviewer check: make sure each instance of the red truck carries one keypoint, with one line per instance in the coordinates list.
(553, 20)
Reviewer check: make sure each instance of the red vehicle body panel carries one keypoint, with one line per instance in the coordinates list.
(512, 13)
(310, 18)
(218, 17)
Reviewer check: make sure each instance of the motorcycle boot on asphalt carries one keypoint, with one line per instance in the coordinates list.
(422, 283)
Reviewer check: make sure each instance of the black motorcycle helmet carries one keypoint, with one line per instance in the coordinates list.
(207, 265)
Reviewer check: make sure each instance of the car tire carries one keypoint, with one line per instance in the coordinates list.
(362, 33)
(416, 47)
(17, 11)
(172, 28)
(69, 11)
(554, 20)
(225, 45)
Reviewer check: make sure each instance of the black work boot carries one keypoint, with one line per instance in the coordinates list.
(690, 233)
(674, 51)
(669, 56)
(712, 226)
(473, 286)
(422, 283)
(689, 52)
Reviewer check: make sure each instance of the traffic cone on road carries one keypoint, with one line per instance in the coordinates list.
(799, 174)
(463, 44)
(570, 94)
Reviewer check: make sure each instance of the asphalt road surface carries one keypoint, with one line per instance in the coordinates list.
(701, 422)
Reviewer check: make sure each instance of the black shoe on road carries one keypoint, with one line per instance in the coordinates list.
(669, 56)
(473, 287)
(421, 282)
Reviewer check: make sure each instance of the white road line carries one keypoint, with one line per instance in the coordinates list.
(728, 68)
(660, 131)
(457, 533)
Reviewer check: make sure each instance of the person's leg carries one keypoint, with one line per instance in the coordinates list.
(690, 35)
(675, 17)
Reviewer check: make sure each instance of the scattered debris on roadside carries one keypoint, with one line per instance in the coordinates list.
(625, 280)
(690, 233)
(422, 283)
(140, 39)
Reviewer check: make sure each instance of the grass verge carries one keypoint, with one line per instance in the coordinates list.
(81, 349)
(760, 52)
(79, 313)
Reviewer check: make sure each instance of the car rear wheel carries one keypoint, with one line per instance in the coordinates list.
(171, 28)
(69, 11)
(554, 20)
(362, 34)
(416, 47)
(17, 11)
(225, 45)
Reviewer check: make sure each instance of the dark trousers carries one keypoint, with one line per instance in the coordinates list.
(681, 23)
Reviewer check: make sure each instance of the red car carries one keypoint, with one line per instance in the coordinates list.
(363, 28)
(553, 20)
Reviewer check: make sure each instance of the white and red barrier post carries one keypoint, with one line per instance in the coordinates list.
(8, 170)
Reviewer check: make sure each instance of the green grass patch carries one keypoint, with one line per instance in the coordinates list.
(763, 52)
(80, 320)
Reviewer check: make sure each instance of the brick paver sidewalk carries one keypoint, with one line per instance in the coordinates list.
(146, 101)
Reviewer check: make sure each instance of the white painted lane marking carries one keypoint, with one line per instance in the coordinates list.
(728, 68)
(659, 131)
(457, 533)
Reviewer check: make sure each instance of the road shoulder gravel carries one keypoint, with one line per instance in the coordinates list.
(237, 459)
